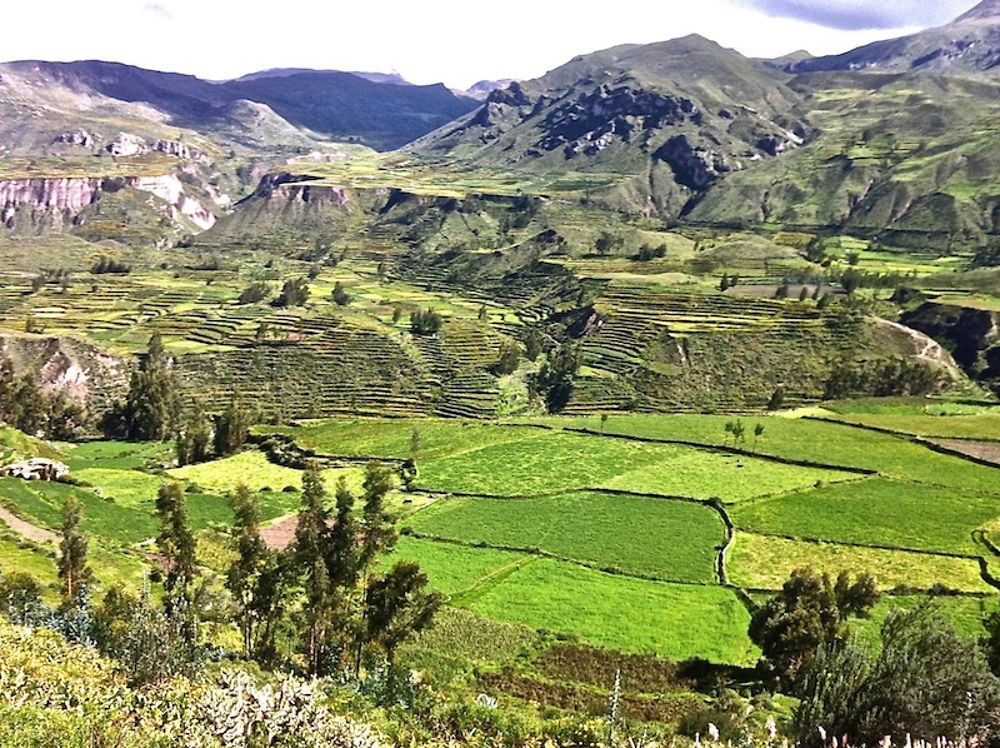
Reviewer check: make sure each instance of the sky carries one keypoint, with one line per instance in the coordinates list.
(457, 42)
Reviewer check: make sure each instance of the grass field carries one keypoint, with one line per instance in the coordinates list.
(811, 440)
(979, 426)
(630, 615)
(763, 562)
(663, 539)
(875, 512)
(555, 461)
(454, 569)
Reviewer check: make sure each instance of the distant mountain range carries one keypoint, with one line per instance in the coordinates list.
(379, 110)
(896, 139)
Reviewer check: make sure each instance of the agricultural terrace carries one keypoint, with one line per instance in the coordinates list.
(541, 532)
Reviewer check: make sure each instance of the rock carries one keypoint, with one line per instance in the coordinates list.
(37, 468)
(127, 144)
(695, 167)
(80, 137)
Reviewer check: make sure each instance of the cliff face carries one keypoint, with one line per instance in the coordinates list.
(82, 371)
(971, 335)
(38, 204)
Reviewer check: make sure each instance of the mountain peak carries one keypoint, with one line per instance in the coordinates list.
(987, 10)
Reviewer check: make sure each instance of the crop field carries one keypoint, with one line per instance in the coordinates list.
(635, 534)
(675, 621)
(558, 549)
(876, 512)
(764, 562)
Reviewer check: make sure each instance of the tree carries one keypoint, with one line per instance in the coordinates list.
(192, 440)
(782, 292)
(243, 578)
(72, 561)
(425, 322)
(232, 428)
(177, 546)
(150, 644)
(378, 531)
(554, 380)
(254, 293)
(152, 406)
(397, 607)
(414, 443)
(483, 317)
(340, 295)
(509, 358)
(924, 681)
(293, 293)
(804, 293)
(758, 432)
(20, 597)
(777, 399)
(809, 612)
(533, 345)
(310, 541)
(724, 282)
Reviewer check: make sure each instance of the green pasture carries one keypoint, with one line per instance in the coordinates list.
(651, 537)
(764, 562)
(811, 440)
(874, 512)
(675, 621)
(558, 461)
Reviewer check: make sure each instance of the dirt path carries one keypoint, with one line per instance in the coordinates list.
(28, 530)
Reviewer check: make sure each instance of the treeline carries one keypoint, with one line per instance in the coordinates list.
(328, 603)
(29, 408)
(882, 378)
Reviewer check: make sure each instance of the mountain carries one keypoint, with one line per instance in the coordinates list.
(394, 78)
(333, 105)
(482, 89)
(970, 45)
(676, 116)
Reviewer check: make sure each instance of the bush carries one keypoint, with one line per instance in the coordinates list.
(425, 322)
(254, 293)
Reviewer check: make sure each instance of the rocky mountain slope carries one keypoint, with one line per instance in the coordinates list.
(970, 45)
(677, 115)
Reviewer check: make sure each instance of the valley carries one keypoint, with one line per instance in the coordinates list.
(574, 388)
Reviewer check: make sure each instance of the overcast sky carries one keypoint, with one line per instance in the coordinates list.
(454, 41)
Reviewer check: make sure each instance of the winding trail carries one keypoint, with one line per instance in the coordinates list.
(28, 530)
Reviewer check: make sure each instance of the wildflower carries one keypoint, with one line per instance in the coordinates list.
(822, 734)
(713, 732)
(772, 728)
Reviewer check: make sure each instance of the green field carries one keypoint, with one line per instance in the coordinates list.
(554, 461)
(630, 615)
(811, 440)
(876, 512)
(663, 539)
(764, 562)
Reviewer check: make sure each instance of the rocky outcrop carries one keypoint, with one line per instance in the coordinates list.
(37, 468)
(127, 144)
(971, 335)
(82, 371)
(59, 201)
(596, 119)
(80, 138)
(694, 166)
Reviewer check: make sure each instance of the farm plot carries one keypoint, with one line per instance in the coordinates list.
(371, 437)
(454, 569)
(553, 462)
(765, 562)
(876, 512)
(980, 426)
(823, 442)
(664, 539)
(675, 621)
(965, 614)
